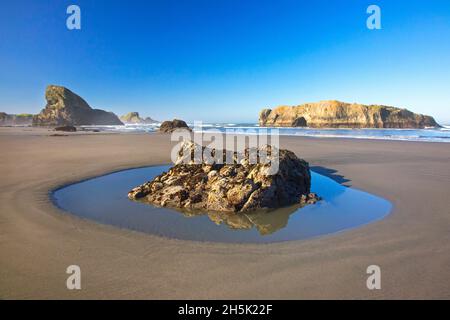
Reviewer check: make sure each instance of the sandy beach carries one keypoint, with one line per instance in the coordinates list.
(38, 241)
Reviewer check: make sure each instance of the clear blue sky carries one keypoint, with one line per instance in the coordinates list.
(224, 60)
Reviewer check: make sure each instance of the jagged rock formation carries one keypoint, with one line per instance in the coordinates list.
(65, 108)
(170, 126)
(134, 118)
(15, 119)
(241, 186)
(336, 114)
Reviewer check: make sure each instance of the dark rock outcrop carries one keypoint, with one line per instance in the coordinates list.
(336, 114)
(239, 187)
(66, 129)
(134, 118)
(170, 126)
(15, 119)
(65, 108)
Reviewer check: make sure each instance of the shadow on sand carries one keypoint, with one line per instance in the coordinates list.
(332, 174)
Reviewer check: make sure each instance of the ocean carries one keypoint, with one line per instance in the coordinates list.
(427, 135)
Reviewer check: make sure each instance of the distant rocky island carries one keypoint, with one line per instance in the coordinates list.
(134, 118)
(66, 108)
(241, 186)
(15, 119)
(336, 114)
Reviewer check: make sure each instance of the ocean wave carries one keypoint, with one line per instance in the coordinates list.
(426, 135)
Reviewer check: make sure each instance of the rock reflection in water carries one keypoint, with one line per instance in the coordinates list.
(265, 221)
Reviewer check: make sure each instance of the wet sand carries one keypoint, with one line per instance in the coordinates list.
(38, 241)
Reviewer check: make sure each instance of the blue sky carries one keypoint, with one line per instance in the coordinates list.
(224, 60)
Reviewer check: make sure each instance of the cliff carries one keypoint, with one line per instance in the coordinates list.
(15, 119)
(336, 114)
(67, 108)
(134, 118)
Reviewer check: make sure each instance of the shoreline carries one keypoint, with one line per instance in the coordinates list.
(210, 129)
(38, 242)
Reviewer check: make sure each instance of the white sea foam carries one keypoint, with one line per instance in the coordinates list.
(426, 135)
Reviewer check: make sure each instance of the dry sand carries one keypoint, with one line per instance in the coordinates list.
(38, 242)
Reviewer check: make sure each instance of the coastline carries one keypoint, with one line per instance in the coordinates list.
(441, 134)
(38, 242)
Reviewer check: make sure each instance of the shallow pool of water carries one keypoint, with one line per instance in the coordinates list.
(104, 199)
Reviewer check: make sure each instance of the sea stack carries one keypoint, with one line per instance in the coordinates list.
(134, 118)
(65, 108)
(336, 114)
(241, 186)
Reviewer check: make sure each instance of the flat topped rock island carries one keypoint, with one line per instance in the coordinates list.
(337, 114)
(242, 186)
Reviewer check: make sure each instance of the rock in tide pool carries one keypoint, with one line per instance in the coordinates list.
(171, 126)
(238, 187)
(65, 108)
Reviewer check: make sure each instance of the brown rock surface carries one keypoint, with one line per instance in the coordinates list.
(134, 118)
(171, 126)
(66, 129)
(336, 114)
(65, 108)
(238, 187)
